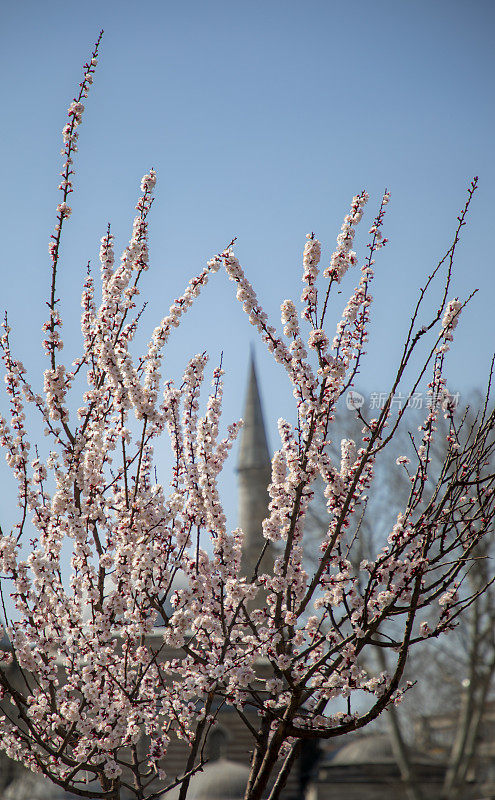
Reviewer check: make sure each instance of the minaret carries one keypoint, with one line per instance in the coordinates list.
(254, 469)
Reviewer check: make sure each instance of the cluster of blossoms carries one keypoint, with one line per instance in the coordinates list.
(344, 256)
(450, 319)
(311, 260)
(154, 631)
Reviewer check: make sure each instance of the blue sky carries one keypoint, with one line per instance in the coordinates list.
(262, 120)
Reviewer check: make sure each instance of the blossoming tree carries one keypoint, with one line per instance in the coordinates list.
(93, 685)
(454, 676)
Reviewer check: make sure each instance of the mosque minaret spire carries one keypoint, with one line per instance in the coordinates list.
(254, 470)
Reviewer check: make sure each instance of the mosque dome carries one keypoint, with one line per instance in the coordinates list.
(32, 787)
(29, 786)
(374, 749)
(220, 780)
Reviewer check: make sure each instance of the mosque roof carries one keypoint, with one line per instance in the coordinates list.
(34, 787)
(253, 449)
(222, 779)
(373, 749)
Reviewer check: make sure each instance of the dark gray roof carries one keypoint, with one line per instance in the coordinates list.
(29, 786)
(373, 749)
(34, 787)
(220, 780)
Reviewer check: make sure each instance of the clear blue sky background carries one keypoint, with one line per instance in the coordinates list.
(262, 118)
